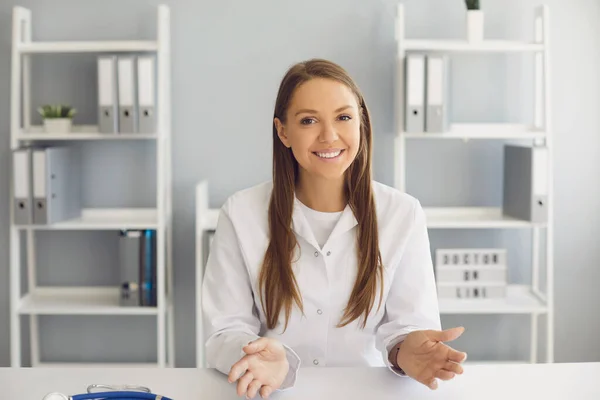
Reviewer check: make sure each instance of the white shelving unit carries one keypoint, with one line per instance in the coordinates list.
(91, 300)
(520, 299)
(206, 221)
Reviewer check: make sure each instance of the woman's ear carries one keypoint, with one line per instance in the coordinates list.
(281, 132)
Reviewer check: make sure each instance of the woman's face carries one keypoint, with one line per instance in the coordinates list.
(322, 127)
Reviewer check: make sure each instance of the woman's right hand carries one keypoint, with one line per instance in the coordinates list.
(263, 368)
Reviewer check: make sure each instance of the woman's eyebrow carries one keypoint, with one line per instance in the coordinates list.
(307, 111)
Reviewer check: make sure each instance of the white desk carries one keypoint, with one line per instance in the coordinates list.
(579, 381)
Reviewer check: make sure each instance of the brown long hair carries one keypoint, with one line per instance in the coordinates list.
(277, 283)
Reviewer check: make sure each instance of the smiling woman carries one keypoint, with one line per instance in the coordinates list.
(322, 266)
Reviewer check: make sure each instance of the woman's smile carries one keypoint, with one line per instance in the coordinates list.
(329, 155)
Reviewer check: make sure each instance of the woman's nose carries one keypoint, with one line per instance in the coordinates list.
(328, 134)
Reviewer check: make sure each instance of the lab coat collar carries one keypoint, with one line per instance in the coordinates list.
(302, 228)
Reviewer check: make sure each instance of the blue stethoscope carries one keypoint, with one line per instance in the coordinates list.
(105, 392)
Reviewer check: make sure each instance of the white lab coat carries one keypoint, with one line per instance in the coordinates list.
(232, 312)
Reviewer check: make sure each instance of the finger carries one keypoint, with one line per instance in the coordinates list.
(253, 388)
(256, 346)
(453, 367)
(432, 383)
(243, 383)
(456, 356)
(266, 391)
(447, 335)
(444, 375)
(237, 370)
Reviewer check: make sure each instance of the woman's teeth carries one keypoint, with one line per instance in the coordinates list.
(329, 155)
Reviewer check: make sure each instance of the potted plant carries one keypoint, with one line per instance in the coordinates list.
(474, 21)
(57, 118)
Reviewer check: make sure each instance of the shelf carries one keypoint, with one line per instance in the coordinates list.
(519, 300)
(463, 46)
(105, 219)
(472, 217)
(481, 131)
(211, 219)
(78, 301)
(88, 47)
(81, 132)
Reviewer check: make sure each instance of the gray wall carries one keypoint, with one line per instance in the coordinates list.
(228, 57)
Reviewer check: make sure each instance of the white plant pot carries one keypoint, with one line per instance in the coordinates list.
(475, 21)
(57, 125)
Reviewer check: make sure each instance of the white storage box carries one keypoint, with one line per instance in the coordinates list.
(471, 291)
(471, 273)
(496, 273)
(470, 257)
(468, 265)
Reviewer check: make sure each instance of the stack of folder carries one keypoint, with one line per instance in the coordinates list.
(126, 94)
(46, 185)
(426, 93)
(137, 264)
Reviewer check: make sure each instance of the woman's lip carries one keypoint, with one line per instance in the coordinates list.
(329, 159)
(328, 151)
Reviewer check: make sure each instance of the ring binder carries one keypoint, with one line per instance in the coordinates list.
(21, 181)
(107, 95)
(146, 94)
(127, 102)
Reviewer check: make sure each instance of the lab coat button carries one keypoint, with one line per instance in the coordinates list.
(316, 254)
(328, 253)
(319, 311)
(316, 362)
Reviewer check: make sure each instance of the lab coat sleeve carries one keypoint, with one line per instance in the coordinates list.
(412, 302)
(230, 319)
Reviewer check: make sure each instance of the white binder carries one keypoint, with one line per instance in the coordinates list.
(415, 93)
(146, 94)
(436, 116)
(56, 185)
(525, 194)
(108, 112)
(21, 181)
(127, 97)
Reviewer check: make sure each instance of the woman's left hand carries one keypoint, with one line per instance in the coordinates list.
(424, 357)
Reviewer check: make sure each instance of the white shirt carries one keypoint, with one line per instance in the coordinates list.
(325, 275)
(321, 223)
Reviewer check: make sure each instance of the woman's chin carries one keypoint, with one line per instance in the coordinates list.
(330, 174)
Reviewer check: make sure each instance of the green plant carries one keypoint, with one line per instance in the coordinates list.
(472, 4)
(58, 111)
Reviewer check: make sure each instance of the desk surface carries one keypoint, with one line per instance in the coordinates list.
(540, 381)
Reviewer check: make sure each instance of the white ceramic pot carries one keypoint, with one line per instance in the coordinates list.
(57, 125)
(475, 20)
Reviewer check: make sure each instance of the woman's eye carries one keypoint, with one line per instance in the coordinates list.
(307, 121)
(345, 117)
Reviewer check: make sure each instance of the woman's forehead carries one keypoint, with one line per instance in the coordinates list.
(323, 94)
